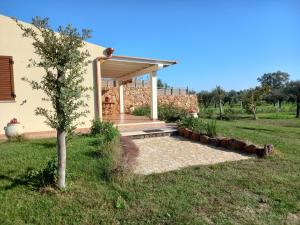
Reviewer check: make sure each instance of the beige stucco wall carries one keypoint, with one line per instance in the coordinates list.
(13, 44)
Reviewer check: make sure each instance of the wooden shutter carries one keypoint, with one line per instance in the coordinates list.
(7, 91)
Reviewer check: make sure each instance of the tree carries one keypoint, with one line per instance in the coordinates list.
(252, 98)
(205, 98)
(63, 63)
(293, 90)
(277, 82)
(231, 97)
(160, 84)
(219, 94)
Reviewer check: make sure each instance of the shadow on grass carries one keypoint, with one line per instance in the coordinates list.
(254, 129)
(47, 145)
(18, 181)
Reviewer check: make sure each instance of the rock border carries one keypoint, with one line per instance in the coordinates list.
(228, 143)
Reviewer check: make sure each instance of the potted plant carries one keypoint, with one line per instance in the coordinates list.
(14, 129)
(193, 113)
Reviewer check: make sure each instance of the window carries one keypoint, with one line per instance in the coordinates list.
(7, 91)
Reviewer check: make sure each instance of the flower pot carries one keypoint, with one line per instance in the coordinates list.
(14, 130)
(194, 115)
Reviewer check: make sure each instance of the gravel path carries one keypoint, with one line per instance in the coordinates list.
(161, 154)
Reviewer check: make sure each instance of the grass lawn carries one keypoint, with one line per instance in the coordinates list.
(258, 191)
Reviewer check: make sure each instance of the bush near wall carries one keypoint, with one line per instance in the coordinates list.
(168, 113)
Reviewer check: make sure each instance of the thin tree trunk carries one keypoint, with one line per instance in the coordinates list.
(298, 108)
(279, 104)
(61, 153)
(254, 114)
(220, 108)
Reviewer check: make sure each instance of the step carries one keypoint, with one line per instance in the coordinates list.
(147, 133)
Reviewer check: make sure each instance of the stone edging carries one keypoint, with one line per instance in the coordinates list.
(228, 143)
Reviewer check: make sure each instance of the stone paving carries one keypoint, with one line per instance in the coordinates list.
(161, 154)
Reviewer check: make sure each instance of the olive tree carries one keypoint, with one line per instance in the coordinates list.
(63, 61)
(252, 98)
(219, 95)
(293, 90)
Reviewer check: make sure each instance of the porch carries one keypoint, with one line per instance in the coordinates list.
(122, 69)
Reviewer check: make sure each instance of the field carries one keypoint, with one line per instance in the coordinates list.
(257, 191)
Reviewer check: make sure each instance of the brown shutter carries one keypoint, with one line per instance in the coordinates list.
(6, 78)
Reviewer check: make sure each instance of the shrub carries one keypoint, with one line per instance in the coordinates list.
(105, 129)
(211, 128)
(170, 113)
(199, 126)
(166, 112)
(42, 177)
(142, 111)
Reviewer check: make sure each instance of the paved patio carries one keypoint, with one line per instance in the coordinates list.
(161, 154)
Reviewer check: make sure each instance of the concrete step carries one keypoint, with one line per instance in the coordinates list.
(147, 133)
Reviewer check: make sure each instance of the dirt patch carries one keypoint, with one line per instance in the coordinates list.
(130, 152)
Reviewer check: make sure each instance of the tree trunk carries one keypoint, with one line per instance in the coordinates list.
(61, 153)
(298, 107)
(220, 108)
(279, 104)
(254, 114)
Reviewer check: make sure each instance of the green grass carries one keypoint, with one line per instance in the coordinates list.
(256, 191)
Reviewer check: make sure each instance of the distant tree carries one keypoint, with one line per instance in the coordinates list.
(293, 90)
(277, 82)
(219, 95)
(205, 98)
(231, 97)
(160, 84)
(63, 61)
(253, 97)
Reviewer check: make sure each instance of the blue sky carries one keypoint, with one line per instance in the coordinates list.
(227, 43)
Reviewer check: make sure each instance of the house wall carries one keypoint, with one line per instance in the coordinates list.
(13, 44)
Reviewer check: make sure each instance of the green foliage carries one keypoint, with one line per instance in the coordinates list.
(211, 128)
(170, 113)
(231, 189)
(205, 98)
(42, 177)
(199, 126)
(142, 111)
(63, 61)
(231, 113)
(252, 98)
(107, 149)
(104, 129)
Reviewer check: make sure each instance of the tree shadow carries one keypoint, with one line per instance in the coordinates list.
(254, 129)
(15, 181)
(47, 145)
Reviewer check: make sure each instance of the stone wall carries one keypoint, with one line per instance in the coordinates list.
(140, 96)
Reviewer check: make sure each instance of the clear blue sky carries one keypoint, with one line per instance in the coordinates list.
(227, 43)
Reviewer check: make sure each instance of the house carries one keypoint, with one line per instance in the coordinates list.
(18, 100)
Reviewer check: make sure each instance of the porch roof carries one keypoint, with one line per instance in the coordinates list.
(125, 67)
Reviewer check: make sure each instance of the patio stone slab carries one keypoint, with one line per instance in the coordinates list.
(162, 154)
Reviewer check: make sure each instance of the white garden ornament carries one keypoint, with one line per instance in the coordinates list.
(14, 129)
